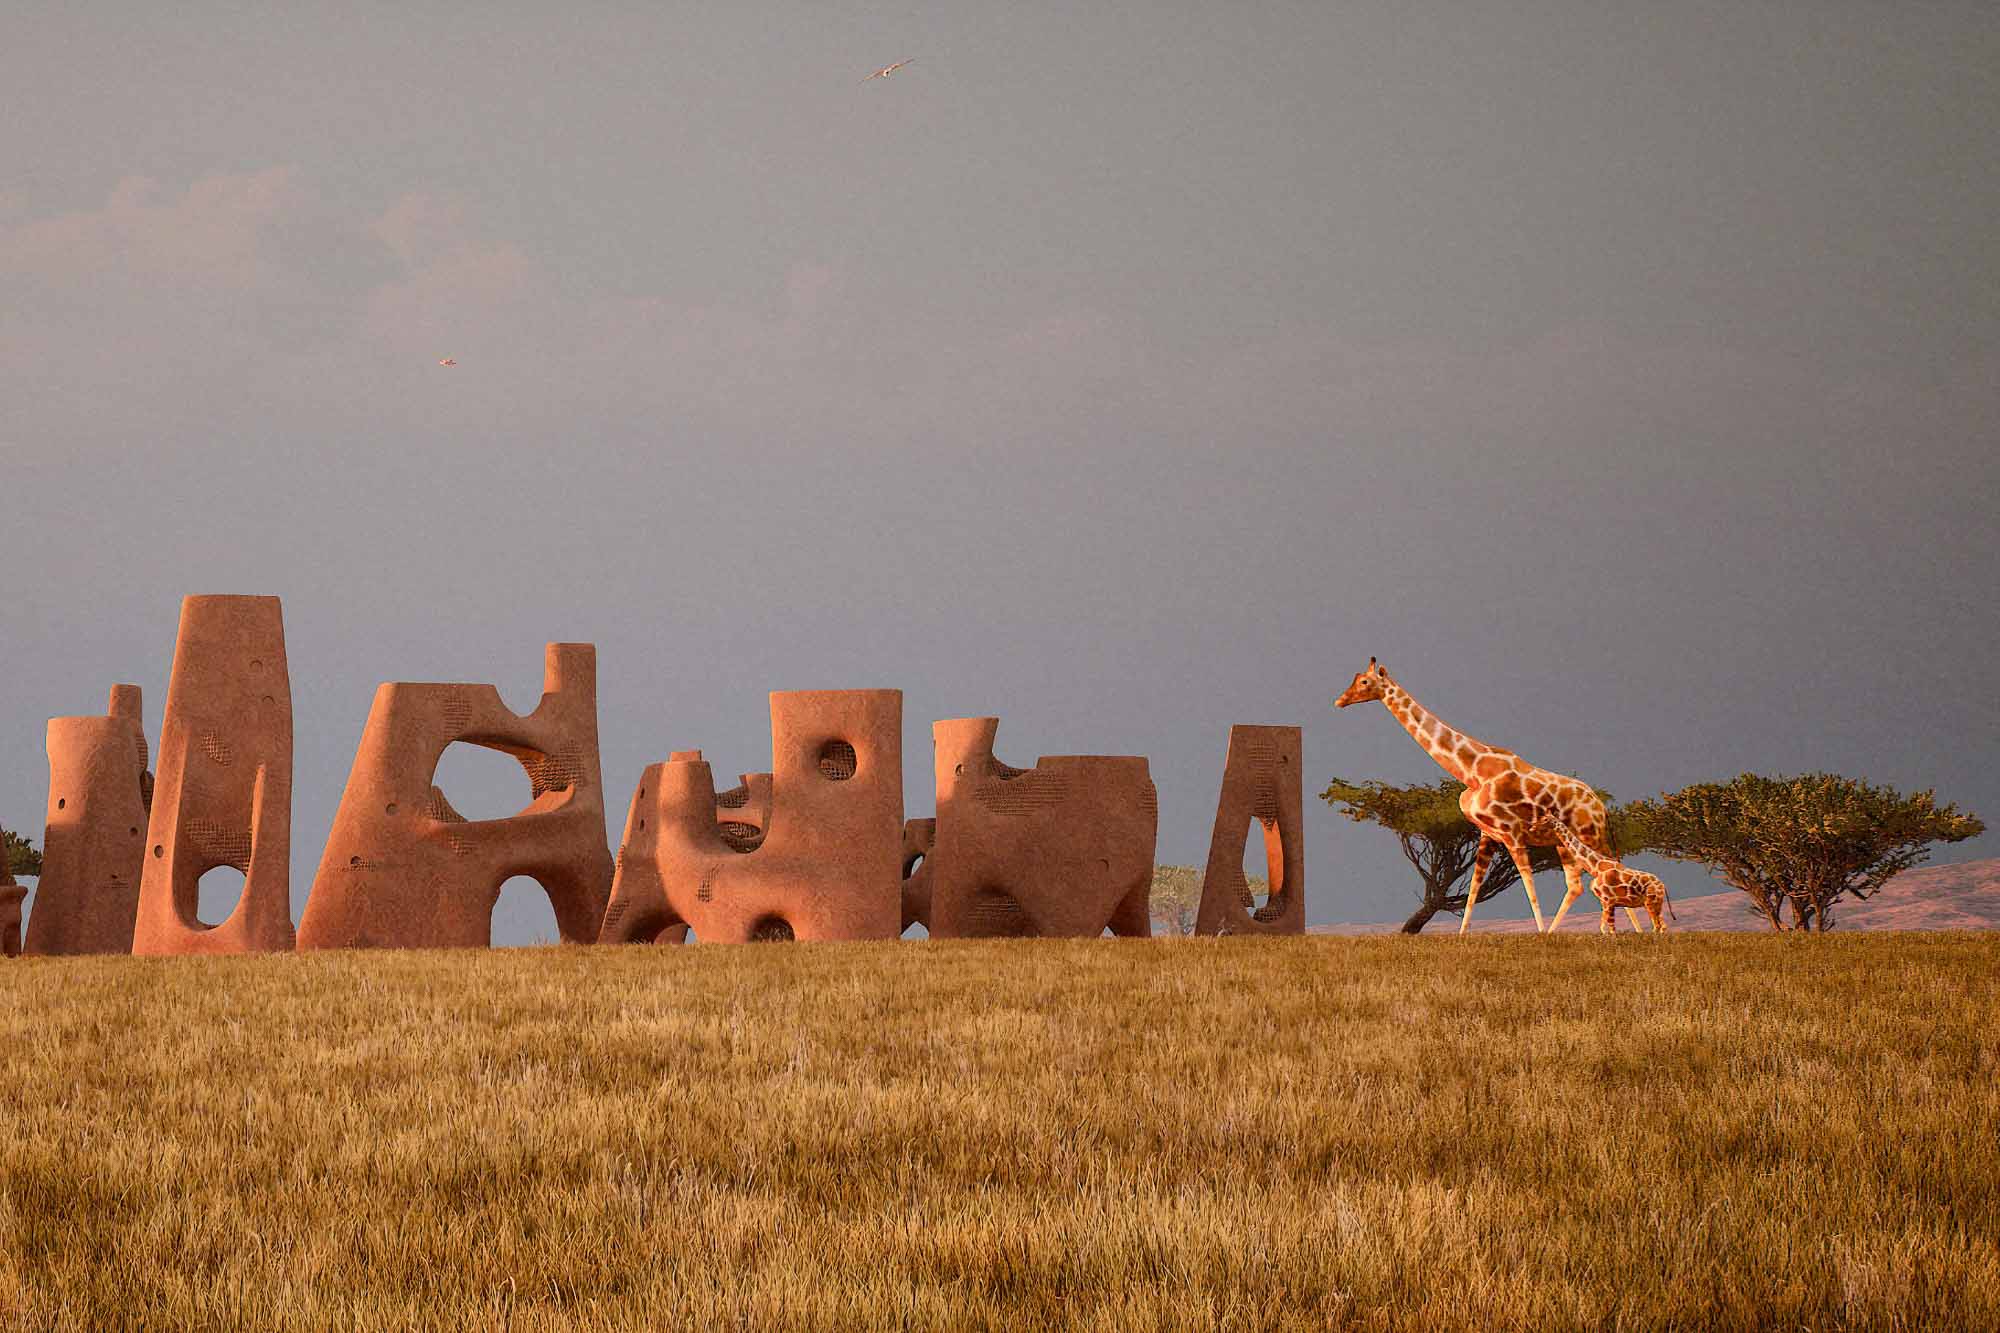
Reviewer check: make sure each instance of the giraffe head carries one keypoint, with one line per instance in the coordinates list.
(1367, 685)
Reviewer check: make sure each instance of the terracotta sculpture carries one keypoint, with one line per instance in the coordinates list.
(94, 845)
(223, 796)
(1261, 782)
(822, 864)
(402, 869)
(1615, 884)
(1062, 849)
(11, 895)
(1512, 803)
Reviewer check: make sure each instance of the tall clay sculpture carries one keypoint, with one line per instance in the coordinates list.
(94, 845)
(823, 863)
(1261, 783)
(223, 796)
(1062, 849)
(402, 869)
(10, 913)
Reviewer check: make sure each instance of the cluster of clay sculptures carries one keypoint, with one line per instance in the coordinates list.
(815, 849)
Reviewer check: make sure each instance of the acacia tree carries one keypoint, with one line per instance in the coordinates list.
(1806, 841)
(18, 855)
(1439, 841)
(1175, 900)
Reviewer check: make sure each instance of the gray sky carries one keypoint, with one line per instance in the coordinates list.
(1625, 375)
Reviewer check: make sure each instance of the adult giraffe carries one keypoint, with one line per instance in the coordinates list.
(1512, 803)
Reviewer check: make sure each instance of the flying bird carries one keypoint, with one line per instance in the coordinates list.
(887, 70)
(449, 361)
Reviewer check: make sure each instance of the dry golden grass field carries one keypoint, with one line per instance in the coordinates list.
(1696, 1131)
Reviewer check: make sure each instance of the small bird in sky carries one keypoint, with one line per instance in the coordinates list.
(887, 70)
(449, 361)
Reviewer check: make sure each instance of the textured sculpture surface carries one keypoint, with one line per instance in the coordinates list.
(10, 914)
(223, 796)
(94, 844)
(402, 869)
(919, 841)
(1062, 849)
(818, 842)
(1261, 783)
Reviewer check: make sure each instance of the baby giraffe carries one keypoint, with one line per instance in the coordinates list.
(1615, 884)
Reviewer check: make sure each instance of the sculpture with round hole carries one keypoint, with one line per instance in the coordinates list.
(819, 848)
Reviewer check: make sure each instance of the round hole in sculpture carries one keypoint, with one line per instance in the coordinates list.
(771, 927)
(159, 850)
(481, 783)
(523, 914)
(740, 837)
(61, 801)
(216, 896)
(837, 761)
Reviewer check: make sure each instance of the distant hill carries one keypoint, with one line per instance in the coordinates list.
(1965, 896)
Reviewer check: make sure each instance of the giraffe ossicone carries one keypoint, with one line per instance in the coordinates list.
(1512, 803)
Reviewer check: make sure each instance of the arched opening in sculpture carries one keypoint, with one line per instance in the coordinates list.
(479, 782)
(524, 914)
(216, 895)
(1263, 894)
(1255, 879)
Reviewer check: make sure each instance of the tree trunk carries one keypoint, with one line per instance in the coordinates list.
(1419, 919)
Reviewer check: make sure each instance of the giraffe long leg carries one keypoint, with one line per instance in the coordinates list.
(1632, 915)
(1480, 860)
(1574, 878)
(1655, 908)
(1607, 924)
(1519, 851)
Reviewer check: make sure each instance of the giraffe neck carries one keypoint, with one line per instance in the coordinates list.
(1427, 729)
(1594, 861)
